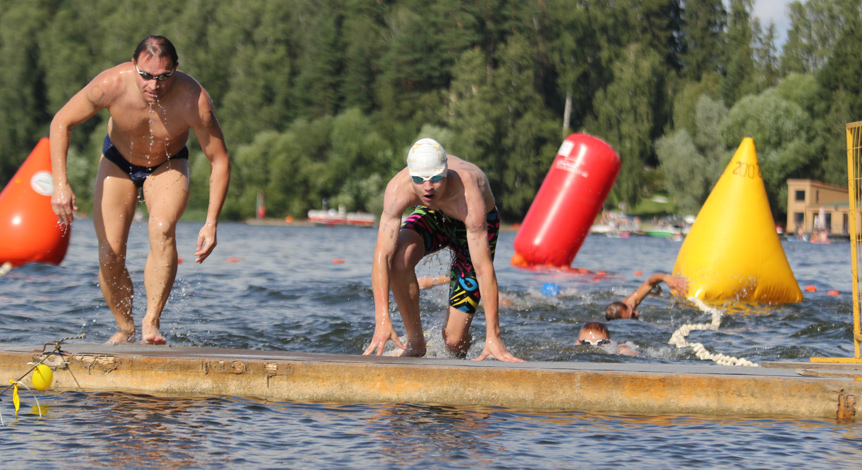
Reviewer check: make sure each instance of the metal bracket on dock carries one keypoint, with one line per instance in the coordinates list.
(846, 407)
(54, 361)
(106, 363)
(235, 367)
(271, 369)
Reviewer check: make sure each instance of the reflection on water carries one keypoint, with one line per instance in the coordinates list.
(285, 293)
(134, 431)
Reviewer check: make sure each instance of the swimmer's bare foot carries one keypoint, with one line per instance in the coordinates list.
(121, 337)
(411, 351)
(154, 339)
(150, 332)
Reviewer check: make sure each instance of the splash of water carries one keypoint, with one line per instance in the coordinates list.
(152, 138)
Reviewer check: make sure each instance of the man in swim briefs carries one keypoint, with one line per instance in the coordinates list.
(152, 107)
(455, 209)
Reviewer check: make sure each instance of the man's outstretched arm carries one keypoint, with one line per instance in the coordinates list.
(678, 286)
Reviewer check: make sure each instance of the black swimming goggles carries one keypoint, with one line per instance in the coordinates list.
(158, 78)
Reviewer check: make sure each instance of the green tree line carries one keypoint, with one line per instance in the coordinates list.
(322, 98)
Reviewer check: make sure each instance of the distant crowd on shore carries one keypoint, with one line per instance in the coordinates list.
(817, 235)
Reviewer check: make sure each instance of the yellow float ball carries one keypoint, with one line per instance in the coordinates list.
(42, 377)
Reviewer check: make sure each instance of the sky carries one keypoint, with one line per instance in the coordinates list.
(776, 12)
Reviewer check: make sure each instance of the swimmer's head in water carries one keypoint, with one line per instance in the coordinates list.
(426, 161)
(593, 333)
(620, 311)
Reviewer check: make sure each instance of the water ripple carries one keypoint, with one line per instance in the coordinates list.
(308, 289)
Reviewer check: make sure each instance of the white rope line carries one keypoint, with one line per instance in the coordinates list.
(678, 338)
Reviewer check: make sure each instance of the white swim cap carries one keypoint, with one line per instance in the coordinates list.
(426, 159)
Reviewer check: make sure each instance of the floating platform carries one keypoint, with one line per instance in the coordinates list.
(797, 390)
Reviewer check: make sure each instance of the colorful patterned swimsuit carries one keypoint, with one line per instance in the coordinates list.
(439, 231)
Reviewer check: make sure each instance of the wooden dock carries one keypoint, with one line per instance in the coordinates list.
(798, 390)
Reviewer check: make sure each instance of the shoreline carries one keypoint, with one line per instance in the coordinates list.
(642, 232)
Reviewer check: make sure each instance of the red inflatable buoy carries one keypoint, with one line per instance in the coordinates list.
(29, 229)
(567, 202)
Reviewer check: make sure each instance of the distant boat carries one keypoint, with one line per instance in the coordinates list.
(617, 227)
(333, 217)
(601, 228)
(664, 233)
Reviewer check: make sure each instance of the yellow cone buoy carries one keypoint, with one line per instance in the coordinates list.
(42, 377)
(732, 251)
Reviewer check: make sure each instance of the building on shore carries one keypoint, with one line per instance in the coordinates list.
(815, 206)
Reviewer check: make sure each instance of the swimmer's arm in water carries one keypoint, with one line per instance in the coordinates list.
(626, 350)
(678, 286)
(429, 282)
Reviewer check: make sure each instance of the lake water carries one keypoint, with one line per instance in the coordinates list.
(308, 289)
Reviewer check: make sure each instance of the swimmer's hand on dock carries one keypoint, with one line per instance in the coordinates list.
(494, 348)
(383, 333)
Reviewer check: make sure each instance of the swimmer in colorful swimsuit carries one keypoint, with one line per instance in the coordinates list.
(455, 209)
(153, 106)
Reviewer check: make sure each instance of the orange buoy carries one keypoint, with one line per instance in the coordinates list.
(833, 292)
(810, 288)
(29, 229)
(518, 260)
(338, 261)
(233, 260)
(639, 273)
(567, 203)
(261, 206)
